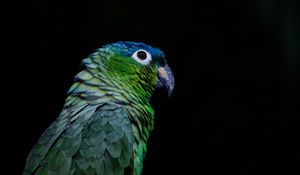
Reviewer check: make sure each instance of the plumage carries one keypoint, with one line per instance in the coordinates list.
(106, 121)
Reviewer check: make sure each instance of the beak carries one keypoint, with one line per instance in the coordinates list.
(166, 78)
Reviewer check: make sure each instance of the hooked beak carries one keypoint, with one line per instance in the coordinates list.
(166, 78)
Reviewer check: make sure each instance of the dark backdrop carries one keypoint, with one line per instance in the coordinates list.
(236, 64)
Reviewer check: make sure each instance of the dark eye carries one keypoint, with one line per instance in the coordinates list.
(142, 56)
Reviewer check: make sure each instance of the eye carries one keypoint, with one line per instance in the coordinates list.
(142, 56)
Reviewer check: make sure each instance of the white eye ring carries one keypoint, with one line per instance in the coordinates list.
(142, 56)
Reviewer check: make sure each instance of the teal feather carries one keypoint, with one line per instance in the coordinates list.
(104, 126)
(83, 145)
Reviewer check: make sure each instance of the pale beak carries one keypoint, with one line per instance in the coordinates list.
(166, 78)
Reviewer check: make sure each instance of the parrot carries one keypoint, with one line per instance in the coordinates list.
(107, 118)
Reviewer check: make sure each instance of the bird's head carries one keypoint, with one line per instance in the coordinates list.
(135, 66)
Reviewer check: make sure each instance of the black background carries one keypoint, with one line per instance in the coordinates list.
(236, 64)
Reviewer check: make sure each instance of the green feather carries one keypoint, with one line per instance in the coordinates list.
(106, 120)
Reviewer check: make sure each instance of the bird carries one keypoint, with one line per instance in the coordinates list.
(107, 118)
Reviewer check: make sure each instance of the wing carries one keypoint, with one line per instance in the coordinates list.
(94, 141)
(49, 137)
